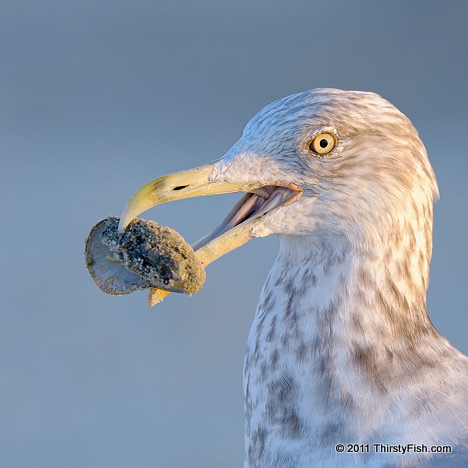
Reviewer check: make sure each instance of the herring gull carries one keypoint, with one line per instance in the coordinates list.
(343, 366)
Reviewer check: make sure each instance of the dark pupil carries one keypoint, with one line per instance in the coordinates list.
(323, 143)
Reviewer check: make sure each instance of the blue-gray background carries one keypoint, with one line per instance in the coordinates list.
(98, 97)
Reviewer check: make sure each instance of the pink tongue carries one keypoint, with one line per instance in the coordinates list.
(240, 211)
(252, 204)
(275, 199)
(249, 205)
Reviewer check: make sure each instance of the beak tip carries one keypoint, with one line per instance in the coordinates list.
(121, 228)
(124, 222)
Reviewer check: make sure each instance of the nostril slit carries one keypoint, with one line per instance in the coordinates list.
(180, 187)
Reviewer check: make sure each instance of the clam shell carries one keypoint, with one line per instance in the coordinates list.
(146, 255)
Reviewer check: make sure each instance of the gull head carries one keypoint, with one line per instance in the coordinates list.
(320, 163)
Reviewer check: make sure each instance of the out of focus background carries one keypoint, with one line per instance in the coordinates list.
(98, 97)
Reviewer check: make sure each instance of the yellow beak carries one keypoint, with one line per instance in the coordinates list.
(234, 231)
(193, 183)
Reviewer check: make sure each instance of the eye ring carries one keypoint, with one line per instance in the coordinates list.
(323, 143)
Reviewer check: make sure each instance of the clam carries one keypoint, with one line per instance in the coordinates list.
(145, 256)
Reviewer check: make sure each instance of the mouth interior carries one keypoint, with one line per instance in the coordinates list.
(253, 205)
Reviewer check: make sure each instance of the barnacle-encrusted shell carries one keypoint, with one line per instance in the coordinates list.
(146, 255)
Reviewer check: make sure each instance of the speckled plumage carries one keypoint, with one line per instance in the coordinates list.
(341, 349)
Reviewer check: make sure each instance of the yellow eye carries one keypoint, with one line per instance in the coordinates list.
(323, 143)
